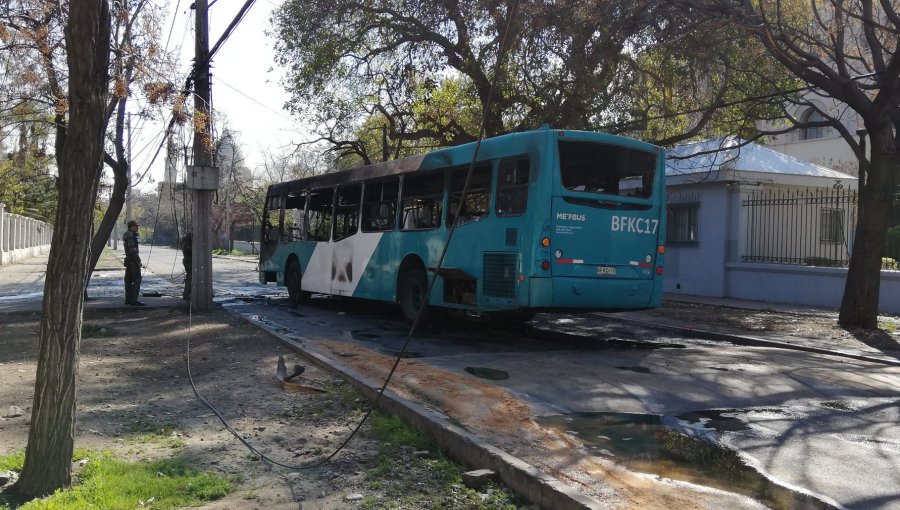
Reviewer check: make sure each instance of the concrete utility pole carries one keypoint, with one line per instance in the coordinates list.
(202, 178)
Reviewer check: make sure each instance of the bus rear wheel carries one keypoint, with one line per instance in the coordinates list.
(412, 288)
(292, 280)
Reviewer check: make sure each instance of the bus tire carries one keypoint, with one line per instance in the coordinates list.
(292, 280)
(411, 290)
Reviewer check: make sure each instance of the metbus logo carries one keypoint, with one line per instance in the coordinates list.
(632, 224)
(567, 216)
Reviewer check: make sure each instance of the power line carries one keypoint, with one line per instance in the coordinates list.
(771, 95)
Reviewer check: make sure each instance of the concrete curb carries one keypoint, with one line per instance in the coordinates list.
(750, 341)
(522, 478)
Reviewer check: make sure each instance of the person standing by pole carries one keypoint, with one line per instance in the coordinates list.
(132, 265)
(187, 260)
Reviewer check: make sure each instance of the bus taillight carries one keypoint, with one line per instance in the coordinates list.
(661, 250)
(659, 271)
(545, 242)
(545, 265)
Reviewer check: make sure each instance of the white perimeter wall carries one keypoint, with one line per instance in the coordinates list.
(817, 286)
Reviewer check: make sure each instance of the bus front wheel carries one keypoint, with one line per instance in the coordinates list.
(413, 287)
(292, 281)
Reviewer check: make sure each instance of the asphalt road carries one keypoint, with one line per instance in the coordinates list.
(824, 425)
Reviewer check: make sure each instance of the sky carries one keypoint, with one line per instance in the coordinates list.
(245, 85)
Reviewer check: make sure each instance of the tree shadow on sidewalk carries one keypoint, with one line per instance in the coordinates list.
(878, 339)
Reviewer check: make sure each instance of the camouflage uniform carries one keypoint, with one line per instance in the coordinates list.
(187, 260)
(132, 267)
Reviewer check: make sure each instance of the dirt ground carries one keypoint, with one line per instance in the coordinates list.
(136, 400)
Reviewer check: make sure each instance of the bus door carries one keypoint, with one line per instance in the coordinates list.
(347, 257)
(319, 248)
(606, 219)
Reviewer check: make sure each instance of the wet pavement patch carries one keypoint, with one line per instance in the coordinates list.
(640, 370)
(641, 442)
(397, 354)
(488, 373)
(357, 335)
(715, 419)
(836, 405)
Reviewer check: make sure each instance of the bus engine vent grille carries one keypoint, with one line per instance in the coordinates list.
(512, 236)
(500, 275)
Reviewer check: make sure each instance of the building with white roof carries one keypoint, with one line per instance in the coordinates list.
(748, 222)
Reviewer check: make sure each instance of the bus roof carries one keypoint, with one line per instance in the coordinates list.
(442, 158)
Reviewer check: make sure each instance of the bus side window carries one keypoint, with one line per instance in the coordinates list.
(478, 195)
(271, 217)
(423, 200)
(293, 216)
(318, 214)
(512, 187)
(380, 205)
(346, 211)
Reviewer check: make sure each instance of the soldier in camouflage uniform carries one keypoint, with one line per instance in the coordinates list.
(132, 265)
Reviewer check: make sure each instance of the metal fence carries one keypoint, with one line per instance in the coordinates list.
(20, 235)
(801, 227)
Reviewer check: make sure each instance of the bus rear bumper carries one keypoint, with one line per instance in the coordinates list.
(594, 293)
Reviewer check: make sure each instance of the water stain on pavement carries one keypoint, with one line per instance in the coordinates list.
(490, 374)
(641, 442)
(640, 370)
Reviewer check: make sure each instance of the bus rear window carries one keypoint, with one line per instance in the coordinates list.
(606, 169)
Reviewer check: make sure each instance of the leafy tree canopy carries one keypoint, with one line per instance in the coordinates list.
(428, 71)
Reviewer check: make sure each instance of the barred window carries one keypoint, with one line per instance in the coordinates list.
(831, 228)
(682, 223)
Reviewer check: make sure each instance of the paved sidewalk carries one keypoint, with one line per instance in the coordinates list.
(22, 284)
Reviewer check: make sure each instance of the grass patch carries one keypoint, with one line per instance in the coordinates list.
(232, 252)
(391, 429)
(167, 435)
(108, 483)
(440, 485)
(888, 326)
(12, 461)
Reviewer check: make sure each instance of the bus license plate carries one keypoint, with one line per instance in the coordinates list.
(606, 271)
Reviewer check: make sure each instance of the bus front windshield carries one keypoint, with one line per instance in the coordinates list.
(607, 169)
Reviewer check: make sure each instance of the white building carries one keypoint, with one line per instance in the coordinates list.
(823, 146)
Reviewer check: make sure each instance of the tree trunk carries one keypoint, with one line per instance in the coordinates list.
(113, 210)
(48, 457)
(859, 306)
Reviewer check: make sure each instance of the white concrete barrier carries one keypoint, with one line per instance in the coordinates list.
(22, 237)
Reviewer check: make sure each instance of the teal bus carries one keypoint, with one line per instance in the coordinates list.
(551, 220)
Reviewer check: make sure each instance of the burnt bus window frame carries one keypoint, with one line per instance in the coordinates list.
(347, 201)
(272, 231)
(319, 229)
(477, 202)
(602, 168)
(380, 198)
(422, 193)
(293, 223)
(513, 178)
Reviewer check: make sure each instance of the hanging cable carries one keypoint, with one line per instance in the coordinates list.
(500, 54)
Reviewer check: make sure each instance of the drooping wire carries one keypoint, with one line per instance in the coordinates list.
(419, 311)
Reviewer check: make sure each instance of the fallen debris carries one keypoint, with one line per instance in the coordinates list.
(285, 380)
